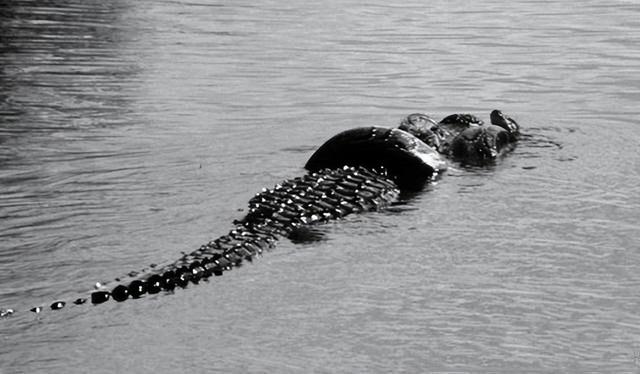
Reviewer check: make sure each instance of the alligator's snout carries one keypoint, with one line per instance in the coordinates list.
(500, 119)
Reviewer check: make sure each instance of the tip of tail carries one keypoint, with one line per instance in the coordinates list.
(56, 305)
(6, 312)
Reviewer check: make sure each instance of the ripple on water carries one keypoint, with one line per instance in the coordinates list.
(132, 131)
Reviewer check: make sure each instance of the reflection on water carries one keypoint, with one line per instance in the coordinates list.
(63, 66)
(64, 82)
(133, 130)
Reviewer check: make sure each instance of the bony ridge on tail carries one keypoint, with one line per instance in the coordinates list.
(357, 170)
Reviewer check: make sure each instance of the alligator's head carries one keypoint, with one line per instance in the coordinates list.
(478, 145)
(456, 123)
(450, 128)
(464, 137)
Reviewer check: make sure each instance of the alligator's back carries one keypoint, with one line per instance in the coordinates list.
(273, 214)
(409, 162)
(316, 197)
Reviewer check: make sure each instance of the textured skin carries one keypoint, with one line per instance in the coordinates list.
(320, 196)
(464, 137)
(476, 143)
(316, 197)
(422, 127)
(357, 170)
(507, 123)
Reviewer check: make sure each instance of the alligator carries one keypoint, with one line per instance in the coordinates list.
(358, 170)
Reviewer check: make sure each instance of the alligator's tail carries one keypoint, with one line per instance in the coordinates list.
(381, 162)
(316, 197)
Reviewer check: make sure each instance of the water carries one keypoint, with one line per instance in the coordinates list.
(133, 130)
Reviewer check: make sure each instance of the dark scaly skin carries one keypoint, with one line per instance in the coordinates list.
(422, 127)
(357, 170)
(464, 137)
(393, 160)
(478, 144)
(409, 162)
(507, 123)
(273, 214)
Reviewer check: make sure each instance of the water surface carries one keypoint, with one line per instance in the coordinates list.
(131, 131)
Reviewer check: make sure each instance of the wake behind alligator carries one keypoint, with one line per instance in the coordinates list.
(361, 169)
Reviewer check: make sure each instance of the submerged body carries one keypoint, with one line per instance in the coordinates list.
(357, 170)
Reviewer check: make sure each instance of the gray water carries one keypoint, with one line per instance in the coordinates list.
(131, 131)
